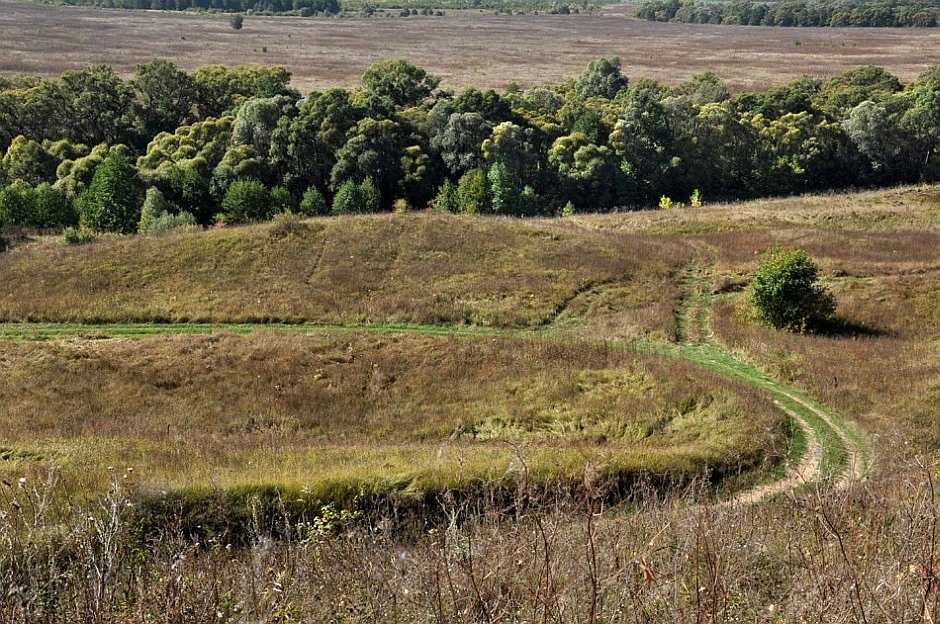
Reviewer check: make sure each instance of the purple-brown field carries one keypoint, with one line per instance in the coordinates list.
(465, 48)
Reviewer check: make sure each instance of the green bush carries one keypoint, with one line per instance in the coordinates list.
(282, 200)
(42, 206)
(784, 292)
(167, 222)
(357, 198)
(247, 200)
(76, 236)
(312, 203)
(446, 199)
(113, 199)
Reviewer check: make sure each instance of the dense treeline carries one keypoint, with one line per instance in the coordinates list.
(554, 7)
(308, 8)
(168, 149)
(885, 13)
(300, 7)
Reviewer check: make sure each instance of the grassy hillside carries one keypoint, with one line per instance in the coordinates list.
(433, 400)
(418, 268)
(345, 411)
(580, 361)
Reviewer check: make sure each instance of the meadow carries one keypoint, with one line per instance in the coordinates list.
(465, 48)
(307, 420)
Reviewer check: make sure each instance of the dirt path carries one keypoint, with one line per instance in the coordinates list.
(834, 451)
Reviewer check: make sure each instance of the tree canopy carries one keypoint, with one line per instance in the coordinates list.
(595, 142)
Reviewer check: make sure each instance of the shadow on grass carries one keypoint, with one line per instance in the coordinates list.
(845, 328)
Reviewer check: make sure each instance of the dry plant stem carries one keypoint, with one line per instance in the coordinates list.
(593, 512)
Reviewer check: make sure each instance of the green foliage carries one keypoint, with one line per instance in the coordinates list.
(51, 208)
(473, 192)
(257, 118)
(312, 203)
(13, 205)
(373, 152)
(282, 200)
(113, 199)
(27, 161)
(597, 141)
(247, 200)
(167, 222)
(403, 83)
(446, 198)
(355, 197)
(224, 88)
(155, 204)
(784, 292)
(77, 236)
(868, 13)
(507, 194)
(165, 97)
(99, 104)
(202, 145)
(156, 215)
(602, 78)
(74, 175)
(189, 191)
(237, 21)
(460, 141)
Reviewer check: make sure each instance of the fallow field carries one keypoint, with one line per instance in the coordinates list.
(309, 421)
(428, 417)
(464, 48)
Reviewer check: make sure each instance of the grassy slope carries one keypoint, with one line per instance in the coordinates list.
(322, 406)
(427, 269)
(610, 276)
(370, 410)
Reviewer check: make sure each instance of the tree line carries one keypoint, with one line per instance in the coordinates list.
(870, 13)
(167, 148)
(314, 8)
(306, 8)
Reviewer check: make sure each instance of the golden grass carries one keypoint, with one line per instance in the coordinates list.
(473, 411)
(371, 412)
(225, 409)
(415, 268)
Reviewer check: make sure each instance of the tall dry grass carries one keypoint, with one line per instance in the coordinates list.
(866, 554)
(414, 268)
(373, 412)
(540, 548)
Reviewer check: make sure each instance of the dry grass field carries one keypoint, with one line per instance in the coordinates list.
(415, 268)
(550, 394)
(343, 414)
(465, 48)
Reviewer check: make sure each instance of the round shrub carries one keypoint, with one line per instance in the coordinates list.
(785, 294)
(247, 200)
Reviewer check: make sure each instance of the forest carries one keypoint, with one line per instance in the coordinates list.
(306, 8)
(329, 8)
(817, 13)
(166, 148)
